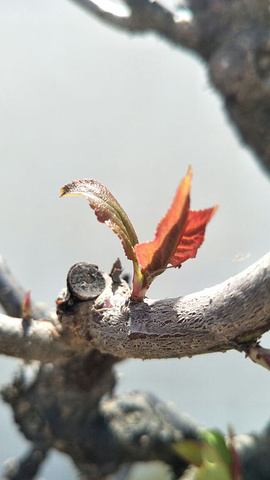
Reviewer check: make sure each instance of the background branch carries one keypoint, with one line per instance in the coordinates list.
(12, 295)
(232, 36)
(58, 406)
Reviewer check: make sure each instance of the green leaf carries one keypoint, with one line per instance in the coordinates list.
(107, 211)
(190, 450)
(213, 471)
(216, 440)
(211, 455)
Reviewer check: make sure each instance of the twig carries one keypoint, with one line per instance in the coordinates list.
(259, 355)
(144, 16)
(113, 13)
(27, 467)
(12, 294)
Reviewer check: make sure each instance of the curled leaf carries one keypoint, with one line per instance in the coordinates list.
(107, 210)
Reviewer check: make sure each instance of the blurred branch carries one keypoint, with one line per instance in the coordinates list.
(113, 13)
(27, 467)
(12, 295)
(140, 16)
(232, 36)
(60, 408)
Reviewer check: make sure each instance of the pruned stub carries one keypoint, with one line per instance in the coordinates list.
(84, 284)
(88, 294)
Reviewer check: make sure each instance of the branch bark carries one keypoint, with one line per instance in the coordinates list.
(232, 315)
(232, 36)
(58, 406)
(41, 341)
(12, 294)
(226, 316)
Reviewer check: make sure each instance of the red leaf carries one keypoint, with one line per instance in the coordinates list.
(27, 306)
(154, 256)
(193, 235)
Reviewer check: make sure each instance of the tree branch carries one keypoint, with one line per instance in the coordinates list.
(58, 406)
(12, 295)
(28, 466)
(43, 341)
(109, 11)
(232, 36)
(143, 16)
(226, 316)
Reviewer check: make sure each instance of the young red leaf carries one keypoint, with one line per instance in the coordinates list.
(154, 256)
(107, 211)
(193, 236)
(27, 307)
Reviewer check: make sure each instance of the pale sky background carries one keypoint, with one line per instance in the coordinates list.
(81, 99)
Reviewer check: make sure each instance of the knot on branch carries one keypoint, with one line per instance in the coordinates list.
(89, 294)
(85, 281)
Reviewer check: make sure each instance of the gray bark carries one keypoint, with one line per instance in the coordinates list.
(225, 316)
(232, 37)
(231, 315)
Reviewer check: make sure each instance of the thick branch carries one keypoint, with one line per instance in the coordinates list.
(232, 36)
(57, 406)
(223, 317)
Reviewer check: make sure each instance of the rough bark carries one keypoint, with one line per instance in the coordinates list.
(232, 37)
(61, 410)
(230, 315)
(226, 316)
(59, 406)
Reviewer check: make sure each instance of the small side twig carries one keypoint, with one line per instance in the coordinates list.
(259, 355)
(144, 16)
(28, 466)
(12, 295)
